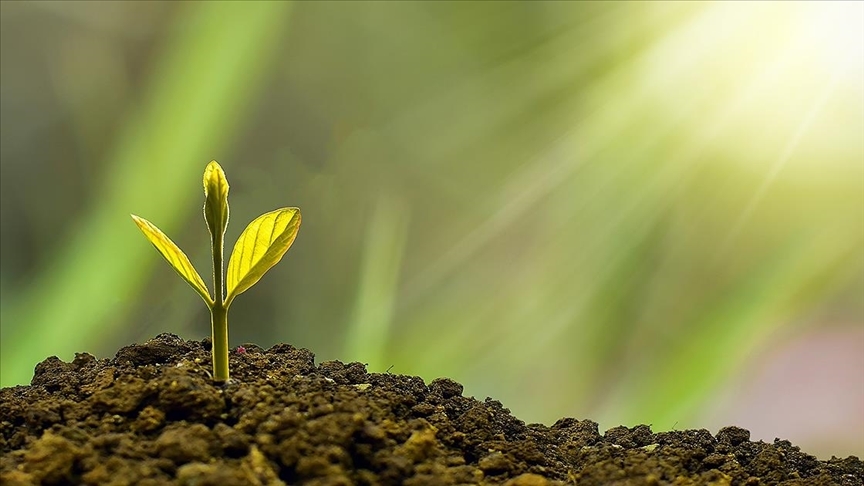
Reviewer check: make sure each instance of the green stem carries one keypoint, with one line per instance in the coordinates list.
(219, 312)
(219, 330)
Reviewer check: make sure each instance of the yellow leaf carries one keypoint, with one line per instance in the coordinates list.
(175, 256)
(215, 200)
(261, 245)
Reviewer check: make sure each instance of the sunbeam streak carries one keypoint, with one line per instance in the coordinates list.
(788, 152)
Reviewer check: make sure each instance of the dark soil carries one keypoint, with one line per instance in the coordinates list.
(152, 416)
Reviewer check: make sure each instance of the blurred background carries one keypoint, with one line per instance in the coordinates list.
(628, 212)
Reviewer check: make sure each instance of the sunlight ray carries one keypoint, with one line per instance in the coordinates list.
(582, 143)
(804, 125)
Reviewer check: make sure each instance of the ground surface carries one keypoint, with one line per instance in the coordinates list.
(152, 416)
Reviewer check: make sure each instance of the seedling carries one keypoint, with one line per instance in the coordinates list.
(261, 245)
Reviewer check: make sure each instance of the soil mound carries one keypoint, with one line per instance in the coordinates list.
(153, 416)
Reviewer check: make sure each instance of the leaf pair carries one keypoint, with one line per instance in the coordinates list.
(261, 245)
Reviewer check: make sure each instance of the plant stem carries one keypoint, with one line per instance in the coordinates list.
(219, 331)
(219, 312)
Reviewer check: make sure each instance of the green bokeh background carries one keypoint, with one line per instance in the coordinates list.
(607, 210)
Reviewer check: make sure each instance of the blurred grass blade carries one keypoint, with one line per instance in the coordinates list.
(367, 335)
(174, 256)
(261, 245)
(199, 94)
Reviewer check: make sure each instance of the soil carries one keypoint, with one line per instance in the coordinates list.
(153, 416)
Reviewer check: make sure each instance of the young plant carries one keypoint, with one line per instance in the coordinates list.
(261, 245)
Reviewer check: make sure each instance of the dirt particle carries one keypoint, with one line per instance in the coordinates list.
(149, 419)
(445, 388)
(420, 445)
(186, 444)
(51, 458)
(495, 463)
(733, 435)
(527, 479)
